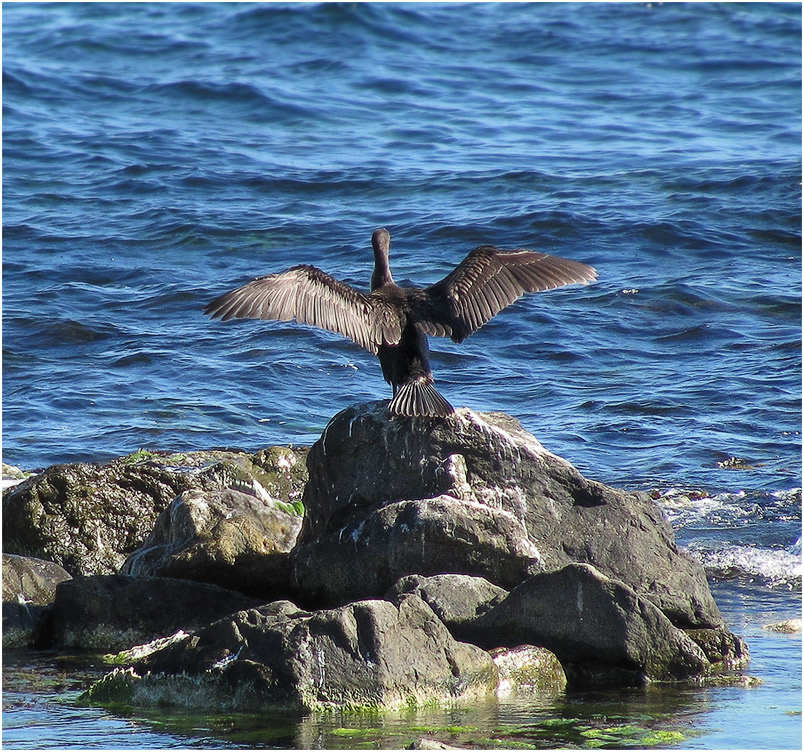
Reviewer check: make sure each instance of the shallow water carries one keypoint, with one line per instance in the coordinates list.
(156, 155)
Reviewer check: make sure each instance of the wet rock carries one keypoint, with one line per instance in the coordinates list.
(599, 628)
(228, 538)
(369, 654)
(723, 649)
(457, 599)
(29, 587)
(377, 483)
(88, 518)
(528, 670)
(113, 612)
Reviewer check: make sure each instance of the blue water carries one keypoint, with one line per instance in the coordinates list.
(156, 155)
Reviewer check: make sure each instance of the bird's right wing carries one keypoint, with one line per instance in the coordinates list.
(313, 297)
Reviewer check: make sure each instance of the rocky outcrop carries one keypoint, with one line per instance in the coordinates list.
(599, 628)
(419, 537)
(114, 612)
(89, 518)
(475, 494)
(29, 587)
(369, 654)
(228, 538)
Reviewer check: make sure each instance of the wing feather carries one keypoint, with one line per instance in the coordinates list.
(487, 281)
(313, 297)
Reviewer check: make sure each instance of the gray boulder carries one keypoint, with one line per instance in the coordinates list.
(89, 518)
(427, 536)
(369, 654)
(29, 587)
(459, 600)
(114, 612)
(599, 628)
(506, 507)
(228, 538)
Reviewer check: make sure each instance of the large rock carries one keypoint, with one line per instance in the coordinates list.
(29, 587)
(114, 612)
(369, 654)
(427, 536)
(459, 600)
(88, 518)
(475, 494)
(228, 538)
(599, 628)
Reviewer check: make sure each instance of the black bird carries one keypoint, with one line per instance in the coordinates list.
(393, 322)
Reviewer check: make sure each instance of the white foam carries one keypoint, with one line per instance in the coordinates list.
(773, 567)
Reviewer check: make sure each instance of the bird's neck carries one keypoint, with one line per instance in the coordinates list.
(382, 271)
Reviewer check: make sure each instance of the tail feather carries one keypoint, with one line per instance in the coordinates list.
(420, 398)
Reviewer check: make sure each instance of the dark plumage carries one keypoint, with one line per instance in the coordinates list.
(393, 322)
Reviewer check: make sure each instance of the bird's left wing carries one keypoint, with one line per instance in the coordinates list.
(487, 281)
(313, 297)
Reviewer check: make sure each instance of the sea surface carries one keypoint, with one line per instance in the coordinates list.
(156, 155)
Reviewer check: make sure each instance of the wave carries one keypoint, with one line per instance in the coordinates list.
(739, 534)
(772, 567)
(690, 507)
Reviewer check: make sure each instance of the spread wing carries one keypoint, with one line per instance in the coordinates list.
(313, 297)
(487, 281)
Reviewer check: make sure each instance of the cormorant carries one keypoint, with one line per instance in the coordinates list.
(393, 322)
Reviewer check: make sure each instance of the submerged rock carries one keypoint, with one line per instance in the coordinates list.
(113, 612)
(228, 538)
(788, 626)
(599, 628)
(88, 518)
(369, 654)
(29, 587)
(425, 743)
(475, 494)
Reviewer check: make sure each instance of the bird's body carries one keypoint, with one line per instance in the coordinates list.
(392, 321)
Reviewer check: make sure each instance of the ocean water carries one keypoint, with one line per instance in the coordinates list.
(158, 154)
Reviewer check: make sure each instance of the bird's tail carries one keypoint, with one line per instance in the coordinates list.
(420, 398)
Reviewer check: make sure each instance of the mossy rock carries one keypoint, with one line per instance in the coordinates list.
(89, 517)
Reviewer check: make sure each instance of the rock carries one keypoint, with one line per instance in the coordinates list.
(528, 669)
(88, 518)
(457, 599)
(369, 654)
(427, 536)
(788, 626)
(506, 508)
(724, 650)
(228, 538)
(12, 476)
(29, 586)
(113, 612)
(429, 744)
(599, 628)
